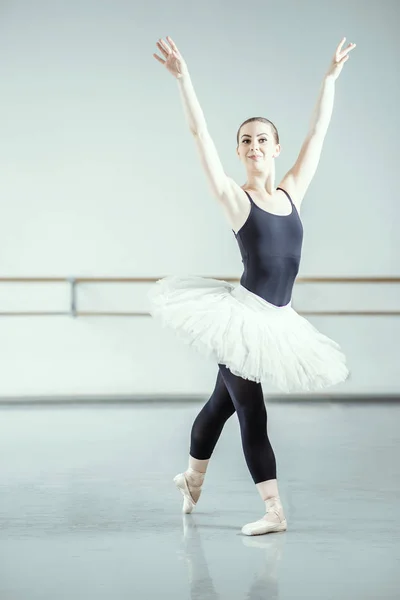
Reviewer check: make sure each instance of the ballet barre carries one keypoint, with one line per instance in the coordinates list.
(74, 282)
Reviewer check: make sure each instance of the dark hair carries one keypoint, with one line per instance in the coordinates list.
(262, 120)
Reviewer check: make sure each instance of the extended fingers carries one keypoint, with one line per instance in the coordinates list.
(348, 49)
(339, 48)
(339, 54)
(164, 48)
(173, 45)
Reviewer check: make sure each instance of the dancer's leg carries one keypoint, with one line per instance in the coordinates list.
(208, 425)
(248, 399)
(206, 429)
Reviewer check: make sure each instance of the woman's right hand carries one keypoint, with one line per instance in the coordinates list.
(174, 61)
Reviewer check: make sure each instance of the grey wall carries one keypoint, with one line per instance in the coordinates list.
(100, 176)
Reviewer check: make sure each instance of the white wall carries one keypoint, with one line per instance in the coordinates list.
(95, 151)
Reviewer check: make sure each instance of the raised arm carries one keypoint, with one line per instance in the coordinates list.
(297, 180)
(210, 160)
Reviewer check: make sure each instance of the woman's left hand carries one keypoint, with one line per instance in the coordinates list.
(339, 58)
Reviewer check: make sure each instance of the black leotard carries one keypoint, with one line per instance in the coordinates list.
(270, 246)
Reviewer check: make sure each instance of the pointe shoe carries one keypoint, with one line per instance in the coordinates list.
(188, 502)
(272, 522)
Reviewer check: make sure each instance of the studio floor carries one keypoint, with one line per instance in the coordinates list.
(88, 508)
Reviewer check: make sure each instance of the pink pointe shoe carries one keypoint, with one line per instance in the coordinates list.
(273, 521)
(182, 483)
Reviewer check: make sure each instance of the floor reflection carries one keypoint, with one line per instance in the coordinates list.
(263, 585)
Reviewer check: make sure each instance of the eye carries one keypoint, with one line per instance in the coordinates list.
(265, 139)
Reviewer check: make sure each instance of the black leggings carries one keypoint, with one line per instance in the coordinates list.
(233, 393)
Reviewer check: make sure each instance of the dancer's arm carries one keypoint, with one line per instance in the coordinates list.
(210, 160)
(297, 180)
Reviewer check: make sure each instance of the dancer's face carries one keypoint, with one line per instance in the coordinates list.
(257, 146)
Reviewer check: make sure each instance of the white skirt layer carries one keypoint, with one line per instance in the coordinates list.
(256, 340)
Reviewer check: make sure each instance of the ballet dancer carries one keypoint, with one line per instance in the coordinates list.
(250, 329)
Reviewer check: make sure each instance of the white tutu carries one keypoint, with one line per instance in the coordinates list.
(253, 338)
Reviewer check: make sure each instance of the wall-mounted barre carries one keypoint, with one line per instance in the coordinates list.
(75, 281)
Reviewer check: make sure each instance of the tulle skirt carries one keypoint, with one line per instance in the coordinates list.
(256, 340)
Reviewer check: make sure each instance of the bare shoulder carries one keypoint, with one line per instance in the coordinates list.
(288, 184)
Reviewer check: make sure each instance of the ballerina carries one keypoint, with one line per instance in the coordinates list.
(251, 329)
